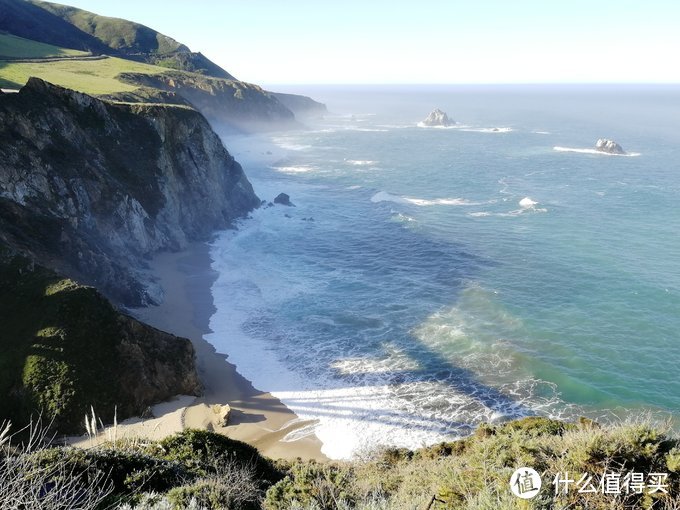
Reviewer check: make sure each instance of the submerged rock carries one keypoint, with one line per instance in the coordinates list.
(609, 146)
(283, 199)
(437, 118)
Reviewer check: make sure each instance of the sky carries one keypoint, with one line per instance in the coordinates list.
(421, 41)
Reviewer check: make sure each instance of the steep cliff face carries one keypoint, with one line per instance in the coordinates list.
(225, 103)
(301, 106)
(91, 188)
(64, 348)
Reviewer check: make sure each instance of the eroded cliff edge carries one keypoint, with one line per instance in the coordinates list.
(91, 188)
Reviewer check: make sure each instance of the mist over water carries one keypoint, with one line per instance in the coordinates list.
(431, 279)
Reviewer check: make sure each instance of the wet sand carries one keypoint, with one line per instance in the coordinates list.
(256, 417)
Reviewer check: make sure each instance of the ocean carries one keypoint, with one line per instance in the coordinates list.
(430, 279)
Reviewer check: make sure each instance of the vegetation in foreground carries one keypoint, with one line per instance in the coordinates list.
(203, 470)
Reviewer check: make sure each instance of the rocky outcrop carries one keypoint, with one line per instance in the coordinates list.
(437, 118)
(229, 105)
(64, 348)
(91, 189)
(222, 414)
(283, 199)
(301, 106)
(609, 146)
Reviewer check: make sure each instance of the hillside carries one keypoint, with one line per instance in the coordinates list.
(30, 21)
(119, 56)
(136, 41)
(12, 46)
(93, 76)
(64, 348)
(72, 28)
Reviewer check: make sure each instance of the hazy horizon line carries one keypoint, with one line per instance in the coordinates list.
(466, 84)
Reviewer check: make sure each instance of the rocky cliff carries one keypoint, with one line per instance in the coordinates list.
(91, 188)
(301, 106)
(227, 104)
(64, 348)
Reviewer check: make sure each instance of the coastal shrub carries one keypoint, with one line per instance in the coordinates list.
(29, 485)
(206, 453)
(325, 485)
(234, 488)
(149, 501)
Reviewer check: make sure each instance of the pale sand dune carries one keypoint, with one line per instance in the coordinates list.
(257, 417)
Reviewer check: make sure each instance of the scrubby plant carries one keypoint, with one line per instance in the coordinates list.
(232, 487)
(326, 485)
(206, 453)
(29, 485)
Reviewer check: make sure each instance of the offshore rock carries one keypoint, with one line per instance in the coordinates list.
(609, 146)
(283, 199)
(437, 118)
(92, 189)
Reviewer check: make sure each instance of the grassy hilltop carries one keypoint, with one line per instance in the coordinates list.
(70, 27)
(110, 57)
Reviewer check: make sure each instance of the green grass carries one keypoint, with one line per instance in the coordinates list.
(17, 47)
(116, 33)
(89, 76)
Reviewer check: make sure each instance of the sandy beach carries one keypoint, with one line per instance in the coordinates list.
(256, 417)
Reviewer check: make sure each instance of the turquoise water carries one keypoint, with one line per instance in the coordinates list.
(423, 297)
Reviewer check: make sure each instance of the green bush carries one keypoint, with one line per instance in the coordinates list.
(324, 485)
(206, 452)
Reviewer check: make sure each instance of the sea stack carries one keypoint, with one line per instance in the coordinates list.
(437, 118)
(609, 146)
(283, 199)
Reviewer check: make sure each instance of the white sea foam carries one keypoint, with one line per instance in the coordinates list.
(360, 162)
(288, 144)
(383, 196)
(293, 169)
(403, 217)
(422, 202)
(421, 125)
(488, 129)
(527, 203)
(594, 151)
